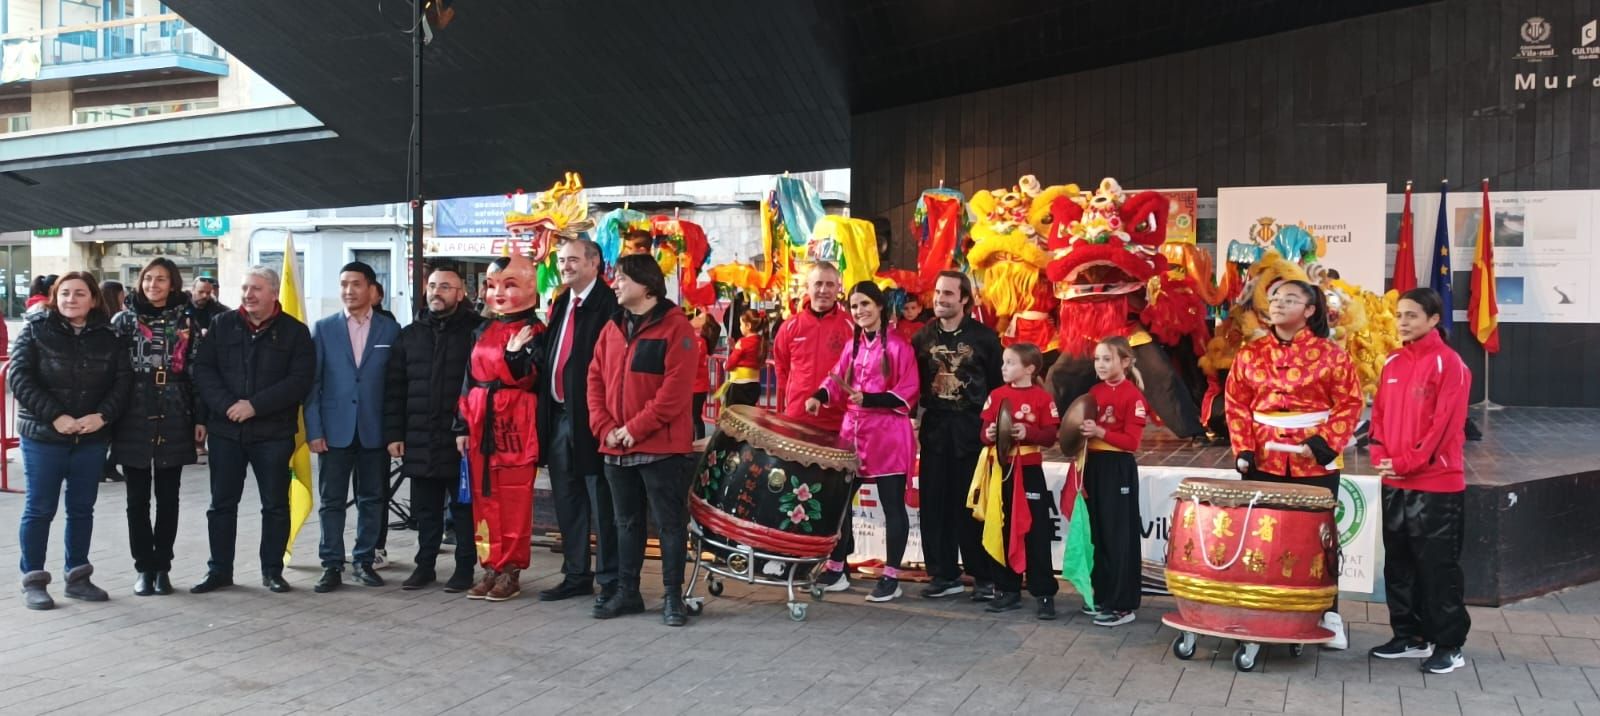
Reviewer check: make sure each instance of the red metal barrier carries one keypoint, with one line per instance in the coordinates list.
(8, 441)
(771, 391)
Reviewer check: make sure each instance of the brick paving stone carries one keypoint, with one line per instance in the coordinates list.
(1571, 651)
(1428, 702)
(1101, 706)
(1524, 648)
(1530, 706)
(1256, 691)
(1462, 679)
(1487, 619)
(1149, 708)
(1583, 626)
(1310, 696)
(1372, 700)
(1483, 704)
(1506, 678)
(1150, 682)
(1203, 687)
(1561, 682)
(1523, 622)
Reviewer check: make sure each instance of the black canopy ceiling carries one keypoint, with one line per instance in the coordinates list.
(625, 91)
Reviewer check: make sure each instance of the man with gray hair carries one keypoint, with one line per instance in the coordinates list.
(567, 446)
(253, 371)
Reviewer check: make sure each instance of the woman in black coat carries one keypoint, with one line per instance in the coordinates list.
(70, 376)
(160, 433)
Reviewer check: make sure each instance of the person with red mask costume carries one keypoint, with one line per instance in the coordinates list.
(808, 345)
(498, 433)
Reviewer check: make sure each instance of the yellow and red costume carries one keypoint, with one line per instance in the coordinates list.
(1008, 259)
(1289, 394)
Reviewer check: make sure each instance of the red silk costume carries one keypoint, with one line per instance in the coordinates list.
(1272, 381)
(503, 449)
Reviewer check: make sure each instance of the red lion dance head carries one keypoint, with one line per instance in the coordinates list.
(1105, 248)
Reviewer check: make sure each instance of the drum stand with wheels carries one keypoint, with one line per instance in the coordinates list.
(744, 563)
(1244, 655)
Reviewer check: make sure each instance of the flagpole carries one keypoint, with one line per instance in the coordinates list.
(1487, 404)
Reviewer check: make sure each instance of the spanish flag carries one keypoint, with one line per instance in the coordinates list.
(1483, 313)
(301, 498)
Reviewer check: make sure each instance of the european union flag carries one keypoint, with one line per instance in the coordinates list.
(1441, 259)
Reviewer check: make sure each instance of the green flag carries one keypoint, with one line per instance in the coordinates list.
(1077, 562)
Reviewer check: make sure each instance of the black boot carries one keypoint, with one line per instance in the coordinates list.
(163, 584)
(145, 585)
(625, 601)
(673, 612)
(212, 583)
(273, 580)
(421, 577)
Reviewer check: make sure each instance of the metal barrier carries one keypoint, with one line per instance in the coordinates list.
(771, 389)
(8, 415)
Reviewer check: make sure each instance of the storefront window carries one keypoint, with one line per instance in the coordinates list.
(15, 123)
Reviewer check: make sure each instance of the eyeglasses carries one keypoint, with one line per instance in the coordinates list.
(1286, 302)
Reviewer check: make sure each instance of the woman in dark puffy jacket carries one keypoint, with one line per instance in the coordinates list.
(159, 434)
(70, 376)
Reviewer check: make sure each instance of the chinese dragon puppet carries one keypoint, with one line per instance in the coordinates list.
(1008, 259)
(1112, 279)
(538, 224)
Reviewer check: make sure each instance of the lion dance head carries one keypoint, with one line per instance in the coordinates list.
(1105, 249)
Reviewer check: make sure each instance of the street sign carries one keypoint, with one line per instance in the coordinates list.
(47, 233)
(213, 225)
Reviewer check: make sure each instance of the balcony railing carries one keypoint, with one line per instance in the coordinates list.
(130, 38)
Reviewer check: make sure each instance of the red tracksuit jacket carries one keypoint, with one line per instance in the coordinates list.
(1419, 416)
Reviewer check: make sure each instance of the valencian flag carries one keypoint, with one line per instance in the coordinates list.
(300, 494)
(1483, 314)
(1405, 261)
(1441, 259)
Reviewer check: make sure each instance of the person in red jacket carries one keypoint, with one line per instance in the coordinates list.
(1111, 481)
(640, 394)
(1293, 398)
(808, 345)
(745, 360)
(1418, 432)
(710, 333)
(1026, 500)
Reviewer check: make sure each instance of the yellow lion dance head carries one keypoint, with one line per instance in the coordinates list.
(1007, 255)
(1245, 321)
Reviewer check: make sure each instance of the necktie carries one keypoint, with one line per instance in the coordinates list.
(565, 351)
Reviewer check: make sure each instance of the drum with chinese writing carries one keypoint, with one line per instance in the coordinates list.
(1257, 560)
(772, 484)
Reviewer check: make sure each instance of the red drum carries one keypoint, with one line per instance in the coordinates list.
(1254, 559)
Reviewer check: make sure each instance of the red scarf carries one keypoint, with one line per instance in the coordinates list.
(277, 308)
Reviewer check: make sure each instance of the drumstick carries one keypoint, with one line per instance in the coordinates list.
(839, 382)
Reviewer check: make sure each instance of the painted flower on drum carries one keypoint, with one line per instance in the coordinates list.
(800, 505)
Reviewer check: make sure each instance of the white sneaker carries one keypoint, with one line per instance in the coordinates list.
(1335, 623)
(380, 559)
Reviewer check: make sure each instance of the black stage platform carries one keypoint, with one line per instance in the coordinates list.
(1533, 498)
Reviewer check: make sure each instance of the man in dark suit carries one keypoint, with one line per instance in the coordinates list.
(567, 447)
(344, 423)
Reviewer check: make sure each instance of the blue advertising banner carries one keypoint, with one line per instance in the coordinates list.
(471, 216)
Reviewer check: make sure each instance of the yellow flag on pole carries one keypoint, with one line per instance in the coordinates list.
(300, 495)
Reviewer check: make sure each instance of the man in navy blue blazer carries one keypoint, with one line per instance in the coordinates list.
(344, 423)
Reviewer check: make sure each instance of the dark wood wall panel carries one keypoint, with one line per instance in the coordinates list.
(1419, 94)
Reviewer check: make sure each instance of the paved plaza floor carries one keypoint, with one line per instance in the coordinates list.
(383, 650)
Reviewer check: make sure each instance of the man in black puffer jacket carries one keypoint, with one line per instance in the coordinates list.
(253, 371)
(426, 367)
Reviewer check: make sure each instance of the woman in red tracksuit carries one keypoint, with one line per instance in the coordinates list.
(1418, 421)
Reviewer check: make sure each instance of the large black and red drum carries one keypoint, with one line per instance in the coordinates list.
(772, 484)
(1258, 560)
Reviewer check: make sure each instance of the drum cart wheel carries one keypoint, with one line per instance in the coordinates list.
(714, 586)
(1244, 657)
(797, 611)
(1295, 650)
(694, 605)
(817, 592)
(1183, 646)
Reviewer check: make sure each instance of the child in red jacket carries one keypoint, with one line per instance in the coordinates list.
(745, 360)
(1418, 433)
(1034, 424)
(1111, 481)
